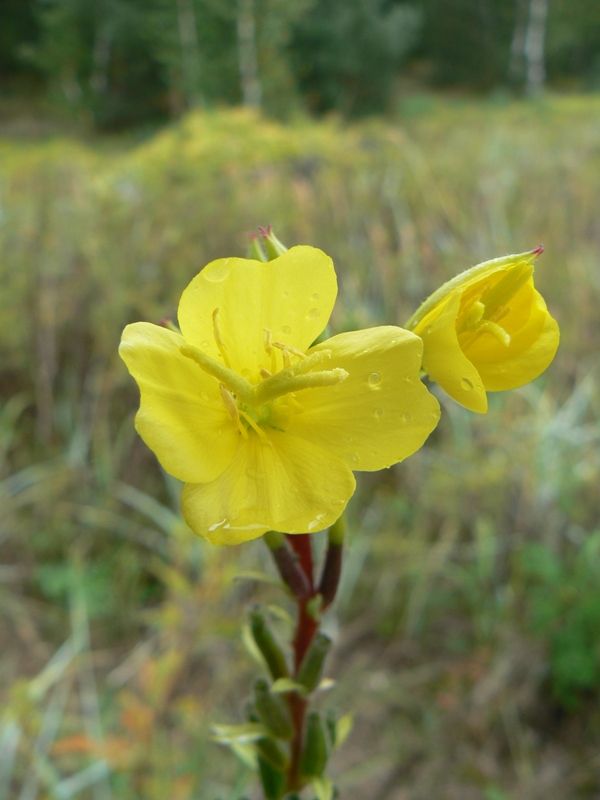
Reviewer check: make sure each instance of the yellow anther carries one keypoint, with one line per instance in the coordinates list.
(253, 424)
(232, 408)
(288, 348)
(474, 314)
(487, 326)
(267, 336)
(218, 337)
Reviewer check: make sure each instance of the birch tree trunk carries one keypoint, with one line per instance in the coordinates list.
(517, 45)
(190, 51)
(247, 54)
(534, 50)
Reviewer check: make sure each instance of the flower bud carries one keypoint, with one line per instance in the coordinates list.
(267, 644)
(311, 668)
(272, 710)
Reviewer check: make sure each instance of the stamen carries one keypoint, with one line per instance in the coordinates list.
(285, 382)
(235, 383)
(231, 406)
(487, 326)
(288, 348)
(267, 340)
(268, 345)
(474, 315)
(253, 424)
(218, 337)
(506, 288)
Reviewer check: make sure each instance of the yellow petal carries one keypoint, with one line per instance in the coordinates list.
(382, 412)
(181, 417)
(531, 350)
(291, 296)
(443, 358)
(279, 482)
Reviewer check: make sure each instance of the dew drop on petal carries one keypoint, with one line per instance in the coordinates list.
(374, 380)
(313, 313)
(217, 273)
(314, 297)
(378, 413)
(286, 329)
(406, 417)
(354, 458)
(466, 384)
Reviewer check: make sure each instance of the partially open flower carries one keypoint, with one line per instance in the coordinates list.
(264, 428)
(486, 330)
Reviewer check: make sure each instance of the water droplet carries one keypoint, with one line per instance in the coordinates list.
(354, 458)
(217, 272)
(378, 413)
(406, 417)
(466, 384)
(314, 297)
(374, 380)
(313, 313)
(286, 329)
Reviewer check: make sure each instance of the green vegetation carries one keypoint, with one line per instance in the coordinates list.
(470, 594)
(113, 64)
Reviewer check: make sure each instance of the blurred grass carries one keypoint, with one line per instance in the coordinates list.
(470, 604)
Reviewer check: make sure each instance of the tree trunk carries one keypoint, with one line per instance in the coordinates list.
(190, 51)
(247, 55)
(516, 66)
(535, 74)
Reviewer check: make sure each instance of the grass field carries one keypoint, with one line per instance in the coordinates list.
(467, 628)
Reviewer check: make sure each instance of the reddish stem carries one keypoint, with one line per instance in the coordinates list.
(303, 548)
(306, 627)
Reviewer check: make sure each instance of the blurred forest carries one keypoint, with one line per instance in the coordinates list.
(118, 63)
(139, 139)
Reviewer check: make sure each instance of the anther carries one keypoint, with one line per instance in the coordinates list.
(232, 408)
(487, 326)
(218, 338)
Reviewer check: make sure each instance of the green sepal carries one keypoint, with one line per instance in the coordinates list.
(338, 729)
(247, 732)
(314, 606)
(272, 780)
(323, 788)
(269, 750)
(272, 244)
(272, 711)
(311, 668)
(255, 249)
(268, 646)
(315, 752)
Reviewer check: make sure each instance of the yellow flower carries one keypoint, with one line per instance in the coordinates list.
(486, 330)
(263, 428)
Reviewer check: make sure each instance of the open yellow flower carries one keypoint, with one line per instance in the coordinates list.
(263, 428)
(486, 330)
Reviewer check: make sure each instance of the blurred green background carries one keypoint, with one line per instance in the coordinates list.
(138, 140)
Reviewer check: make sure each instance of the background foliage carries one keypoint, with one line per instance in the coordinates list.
(470, 605)
(114, 63)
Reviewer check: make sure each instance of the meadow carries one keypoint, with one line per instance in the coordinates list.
(467, 626)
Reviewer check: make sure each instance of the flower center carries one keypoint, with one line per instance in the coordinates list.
(484, 312)
(255, 406)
